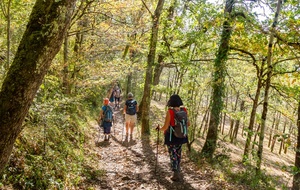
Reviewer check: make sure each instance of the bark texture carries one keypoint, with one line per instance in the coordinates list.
(40, 43)
(218, 84)
(267, 89)
(296, 179)
(149, 71)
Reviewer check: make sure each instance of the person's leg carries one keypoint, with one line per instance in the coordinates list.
(108, 131)
(105, 132)
(175, 158)
(117, 102)
(131, 127)
(178, 151)
(132, 124)
(127, 124)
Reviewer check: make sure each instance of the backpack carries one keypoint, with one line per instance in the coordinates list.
(180, 129)
(108, 114)
(131, 107)
(117, 93)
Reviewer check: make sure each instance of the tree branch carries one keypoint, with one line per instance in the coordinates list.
(147, 8)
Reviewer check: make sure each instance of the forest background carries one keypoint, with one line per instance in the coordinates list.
(235, 64)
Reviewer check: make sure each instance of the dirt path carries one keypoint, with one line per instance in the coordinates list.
(132, 165)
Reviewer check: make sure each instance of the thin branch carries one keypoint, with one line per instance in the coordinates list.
(147, 8)
(251, 55)
(293, 44)
(279, 92)
(83, 8)
(285, 72)
(199, 60)
(287, 59)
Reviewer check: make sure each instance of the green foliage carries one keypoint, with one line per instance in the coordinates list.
(249, 177)
(49, 153)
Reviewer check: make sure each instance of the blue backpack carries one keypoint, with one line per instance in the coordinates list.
(108, 114)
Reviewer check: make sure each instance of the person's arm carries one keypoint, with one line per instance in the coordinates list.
(167, 122)
(100, 115)
(124, 110)
(137, 107)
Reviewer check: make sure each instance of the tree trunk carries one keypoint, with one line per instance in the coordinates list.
(206, 124)
(166, 25)
(202, 122)
(149, 71)
(253, 112)
(288, 140)
(272, 129)
(237, 124)
(296, 179)
(218, 84)
(40, 43)
(267, 87)
(233, 118)
(65, 82)
(283, 136)
(274, 139)
(8, 34)
(157, 72)
(224, 117)
(255, 136)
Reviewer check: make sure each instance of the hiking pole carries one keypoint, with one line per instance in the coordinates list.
(137, 128)
(123, 128)
(99, 128)
(114, 126)
(157, 142)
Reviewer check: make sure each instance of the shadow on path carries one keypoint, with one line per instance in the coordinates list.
(161, 176)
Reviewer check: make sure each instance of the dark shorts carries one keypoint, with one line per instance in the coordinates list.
(173, 140)
(117, 99)
(107, 127)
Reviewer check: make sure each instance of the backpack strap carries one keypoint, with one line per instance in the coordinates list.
(172, 117)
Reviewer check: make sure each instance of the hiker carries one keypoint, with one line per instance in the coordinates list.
(174, 143)
(129, 111)
(117, 95)
(111, 96)
(106, 118)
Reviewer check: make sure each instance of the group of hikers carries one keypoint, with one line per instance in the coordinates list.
(174, 128)
(106, 115)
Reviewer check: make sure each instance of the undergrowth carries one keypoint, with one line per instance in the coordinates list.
(50, 151)
(242, 175)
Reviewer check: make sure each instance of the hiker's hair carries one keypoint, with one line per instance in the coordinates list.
(175, 101)
(130, 95)
(105, 101)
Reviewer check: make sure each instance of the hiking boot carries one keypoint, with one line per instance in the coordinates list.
(106, 138)
(176, 176)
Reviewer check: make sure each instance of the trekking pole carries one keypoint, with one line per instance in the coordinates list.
(138, 130)
(99, 128)
(123, 128)
(157, 142)
(114, 126)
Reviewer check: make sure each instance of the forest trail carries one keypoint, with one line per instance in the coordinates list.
(131, 165)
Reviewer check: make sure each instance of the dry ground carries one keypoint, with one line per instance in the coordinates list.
(135, 165)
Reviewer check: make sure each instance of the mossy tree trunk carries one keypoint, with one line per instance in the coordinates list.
(218, 84)
(296, 179)
(48, 23)
(145, 108)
